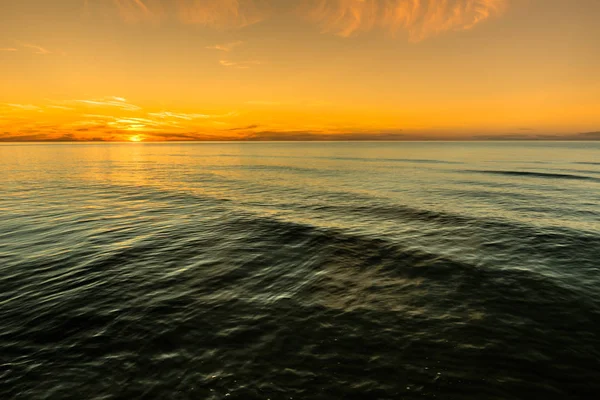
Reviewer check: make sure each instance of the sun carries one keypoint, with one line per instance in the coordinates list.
(135, 138)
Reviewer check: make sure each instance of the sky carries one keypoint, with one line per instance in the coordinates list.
(154, 70)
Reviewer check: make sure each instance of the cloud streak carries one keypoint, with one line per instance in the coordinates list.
(135, 11)
(221, 14)
(189, 117)
(108, 118)
(21, 107)
(117, 102)
(419, 18)
(227, 47)
(239, 65)
(37, 49)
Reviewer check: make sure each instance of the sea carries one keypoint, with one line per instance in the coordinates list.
(308, 270)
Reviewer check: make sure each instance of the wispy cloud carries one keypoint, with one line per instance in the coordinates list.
(221, 14)
(140, 10)
(109, 118)
(238, 64)
(244, 128)
(226, 47)
(22, 107)
(8, 49)
(190, 117)
(136, 124)
(420, 18)
(37, 49)
(65, 108)
(181, 116)
(151, 123)
(118, 102)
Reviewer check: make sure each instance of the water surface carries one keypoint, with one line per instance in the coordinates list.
(300, 271)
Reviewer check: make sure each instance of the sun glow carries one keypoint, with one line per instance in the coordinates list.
(135, 138)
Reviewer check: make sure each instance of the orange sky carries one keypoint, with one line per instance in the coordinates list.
(298, 69)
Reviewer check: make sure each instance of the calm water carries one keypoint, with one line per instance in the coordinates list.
(300, 271)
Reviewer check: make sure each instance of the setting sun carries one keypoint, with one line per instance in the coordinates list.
(136, 138)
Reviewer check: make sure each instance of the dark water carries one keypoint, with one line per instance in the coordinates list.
(300, 271)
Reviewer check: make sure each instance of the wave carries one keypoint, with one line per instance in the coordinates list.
(400, 160)
(544, 175)
(363, 159)
(355, 207)
(290, 169)
(287, 259)
(261, 300)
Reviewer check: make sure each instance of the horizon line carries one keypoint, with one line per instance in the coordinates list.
(292, 141)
